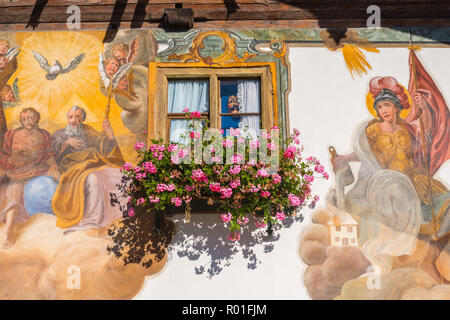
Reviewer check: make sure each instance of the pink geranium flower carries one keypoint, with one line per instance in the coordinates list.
(243, 221)
(195, 135)
(176, 201)
(262, 173)
(139, 146)
(319, 169)
(237, 158)
(235, 183)
(199, 175)
(175, 159)
(195, 115)
(215, 187)
(216, 159)
(235, 169)
(235, 236)
(280, 216)
(290, 152)
(226, 217)
(265, 194)
(276, 178)
(137, 169)
(140, 175)
(154, 199)
(161, 187)
(235, 132)
(254, 144)
(169, 187)
(172, 147)
(261, 224)
(149, 167)
(183, 153)
(127, 166)
(227, 143)
(254, 188)
(272, 147)
(131, 212)
(226, 193)
(294, 200)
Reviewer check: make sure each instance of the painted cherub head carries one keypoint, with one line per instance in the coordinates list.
(120, 51)
(7, 94)
(111, 66)
(4, 46)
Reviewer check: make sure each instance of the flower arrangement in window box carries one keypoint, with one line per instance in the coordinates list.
(247, 178)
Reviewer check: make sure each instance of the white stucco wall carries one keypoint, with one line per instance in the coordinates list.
(326, 105)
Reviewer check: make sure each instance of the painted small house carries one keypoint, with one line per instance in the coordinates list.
(343, 230)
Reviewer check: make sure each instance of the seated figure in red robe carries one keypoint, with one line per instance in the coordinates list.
(26, 154)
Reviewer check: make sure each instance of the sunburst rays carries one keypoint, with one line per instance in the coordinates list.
(52, 98)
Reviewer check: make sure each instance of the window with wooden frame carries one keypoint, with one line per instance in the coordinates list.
(230, 97)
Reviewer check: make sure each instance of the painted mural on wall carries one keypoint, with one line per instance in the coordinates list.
(71, 110)
(384, 231)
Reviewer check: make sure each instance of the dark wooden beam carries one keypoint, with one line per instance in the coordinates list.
(218, 13)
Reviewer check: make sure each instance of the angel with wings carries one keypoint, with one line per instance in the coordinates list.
(6, 53)
(10, 95)
(124, 76)
(124, 53)
(56, 69)
(114, 76)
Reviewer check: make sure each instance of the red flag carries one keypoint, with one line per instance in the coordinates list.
(438, 133)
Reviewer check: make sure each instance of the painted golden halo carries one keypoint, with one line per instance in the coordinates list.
(370, 100)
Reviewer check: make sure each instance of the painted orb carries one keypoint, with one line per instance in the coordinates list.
(38, 194)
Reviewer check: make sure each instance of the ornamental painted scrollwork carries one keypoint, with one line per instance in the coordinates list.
(227, 51)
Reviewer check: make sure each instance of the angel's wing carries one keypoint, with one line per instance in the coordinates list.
(12, 53)
(15, 88)
(120, 73)
(73, 64)
(102, 71)
(134, 47)
(42, 61)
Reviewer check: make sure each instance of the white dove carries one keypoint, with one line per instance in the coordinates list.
(57, 69)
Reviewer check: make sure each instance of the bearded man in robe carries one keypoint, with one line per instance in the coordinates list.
(89, 163)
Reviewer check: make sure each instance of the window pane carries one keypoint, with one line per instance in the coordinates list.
(249, 125)
(179, 127)
(240, 96)
(191, 94)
